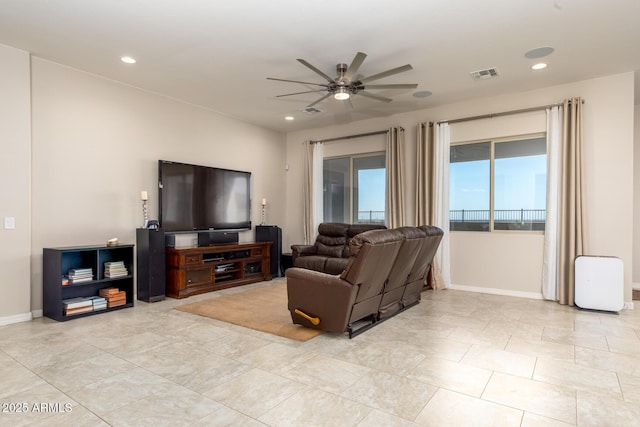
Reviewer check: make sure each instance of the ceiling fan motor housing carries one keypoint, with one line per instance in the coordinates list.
(342, 70)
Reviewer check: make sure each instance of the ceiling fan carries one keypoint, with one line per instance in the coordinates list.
(346, 84)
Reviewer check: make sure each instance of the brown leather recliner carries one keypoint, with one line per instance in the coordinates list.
(386, 272)
(334, 303)
(330, 252)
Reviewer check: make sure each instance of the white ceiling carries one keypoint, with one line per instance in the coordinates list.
(217, 53)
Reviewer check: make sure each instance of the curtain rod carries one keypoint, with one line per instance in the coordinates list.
(504, 113)
(360, 135)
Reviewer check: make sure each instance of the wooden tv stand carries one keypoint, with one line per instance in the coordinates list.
(198, 270)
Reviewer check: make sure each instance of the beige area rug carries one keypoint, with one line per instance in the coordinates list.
(263, 309)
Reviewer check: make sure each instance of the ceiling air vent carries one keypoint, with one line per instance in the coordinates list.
(311, 110)
(489, 73)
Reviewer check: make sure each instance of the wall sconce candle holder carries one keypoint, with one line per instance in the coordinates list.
(144, 197)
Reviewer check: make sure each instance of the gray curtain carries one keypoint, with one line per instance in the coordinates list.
(425, 170)
(572, 239)
(308, 220)
(395, 177)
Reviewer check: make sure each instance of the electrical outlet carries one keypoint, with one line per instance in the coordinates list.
(9, 223)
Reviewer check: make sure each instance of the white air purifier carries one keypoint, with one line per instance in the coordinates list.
(599, 283)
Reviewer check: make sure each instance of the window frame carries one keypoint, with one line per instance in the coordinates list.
(352, 195)
(492, 143)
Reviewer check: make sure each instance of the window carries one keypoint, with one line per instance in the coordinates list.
(354, 189)
(498, 185)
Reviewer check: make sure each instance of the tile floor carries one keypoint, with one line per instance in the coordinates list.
(456, 359)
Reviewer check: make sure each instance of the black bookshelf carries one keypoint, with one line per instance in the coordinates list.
(57, 262)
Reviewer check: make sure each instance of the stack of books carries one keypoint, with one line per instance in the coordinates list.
(99, 303)
(115, 269)
(114, 296)
(79, 275)
(77, 305)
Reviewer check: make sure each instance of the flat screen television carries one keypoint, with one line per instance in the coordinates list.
(198, 198)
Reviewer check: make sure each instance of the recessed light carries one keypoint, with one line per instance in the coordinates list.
(128, 60)
(539, 66)
(539, 52)
(289, 118)
(422, 94)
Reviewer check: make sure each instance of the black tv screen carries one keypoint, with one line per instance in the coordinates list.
(196, 197)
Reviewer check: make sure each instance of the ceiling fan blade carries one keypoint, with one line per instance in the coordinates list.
(348, 104)
(319, 100)
(387, 73)
(297, 81)
(392, 86)
(314, 69)
(300, 93)
(355, 65)
(371, 95)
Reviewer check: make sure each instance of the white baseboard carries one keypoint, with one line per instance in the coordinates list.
(17, 318)
(496, 291)
(635, 286)
(628, 305)
(36, 313)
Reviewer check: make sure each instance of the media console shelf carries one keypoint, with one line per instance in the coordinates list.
(80, 272)
(194, 271)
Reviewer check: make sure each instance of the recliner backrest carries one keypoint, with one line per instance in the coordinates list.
(413, 241)
(331, 239)
(433, 236)
(373, 253)
(355, 229)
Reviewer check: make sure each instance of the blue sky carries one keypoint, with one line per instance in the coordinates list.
(520, 184)
(372, 188)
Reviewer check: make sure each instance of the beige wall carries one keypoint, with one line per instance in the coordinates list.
(15, 170)
(608, 128)
(96, 144)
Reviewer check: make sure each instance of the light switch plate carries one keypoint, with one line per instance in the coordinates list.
(9, 223)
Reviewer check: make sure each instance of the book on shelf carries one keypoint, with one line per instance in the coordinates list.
(99, 303)
(85, 274)
(78, 310)
(113, 296)
(106, 292)
(113, 269)
(113, 275)
(81, 270)
(80, 275)
(117, 299)
(80, 280)
(116, 303)
(114, 264)
(78, 302)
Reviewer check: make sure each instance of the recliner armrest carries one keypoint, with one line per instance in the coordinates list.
(321, 295)
(302, 250)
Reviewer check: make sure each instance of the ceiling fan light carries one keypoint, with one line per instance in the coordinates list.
(341, 94)
(128, 60)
